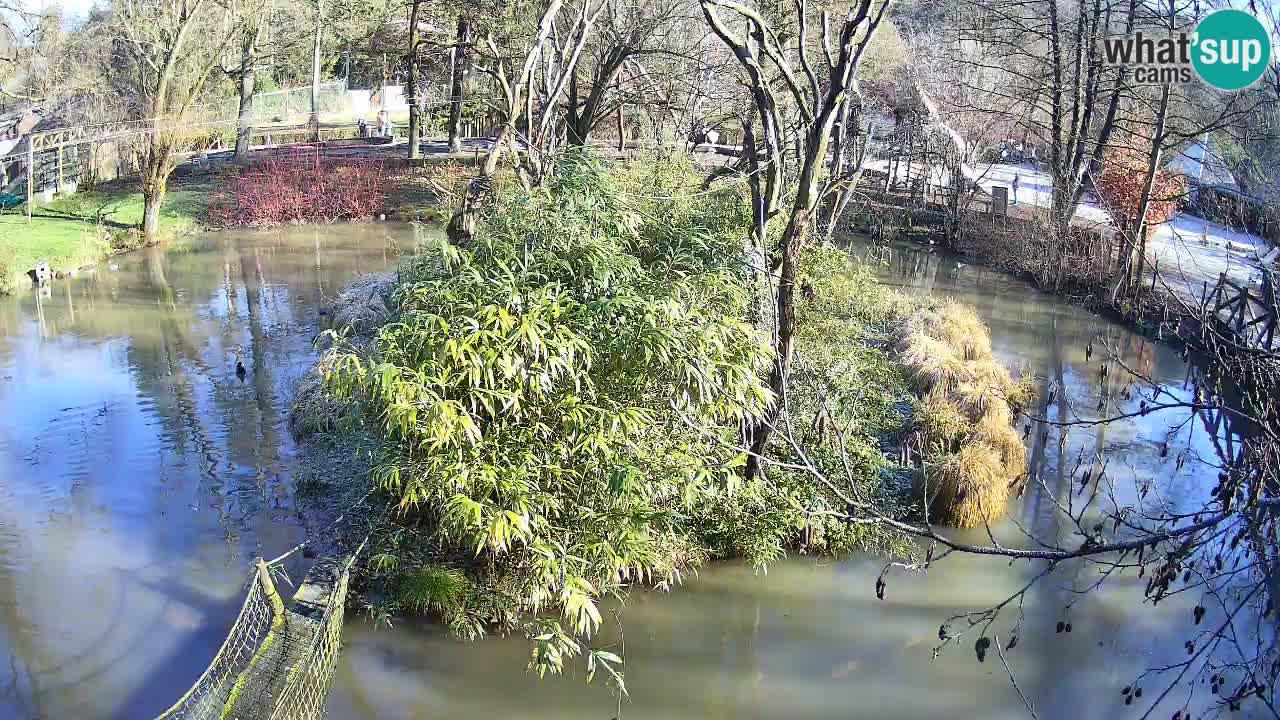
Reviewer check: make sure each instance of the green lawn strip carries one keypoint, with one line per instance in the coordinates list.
(76, 230)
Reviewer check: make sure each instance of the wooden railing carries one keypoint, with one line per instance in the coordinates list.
(1247, 313)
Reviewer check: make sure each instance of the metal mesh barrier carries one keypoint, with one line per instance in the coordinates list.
(208, 696)
(294, 104)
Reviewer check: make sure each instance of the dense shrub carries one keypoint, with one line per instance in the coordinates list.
(302, 186)
(556, 398)
(846, 399)
(560, 405)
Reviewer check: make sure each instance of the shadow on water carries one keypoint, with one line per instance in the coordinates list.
(185, 662)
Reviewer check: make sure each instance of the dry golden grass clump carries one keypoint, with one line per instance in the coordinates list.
(1023, 392)
(955, 324)
(965, 488)
(362, 305)
(314, 408)
(964, 417)
(932, 364)
(1001, 436)
(941, 422)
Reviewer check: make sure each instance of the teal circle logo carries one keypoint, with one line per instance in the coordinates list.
(1232, 49)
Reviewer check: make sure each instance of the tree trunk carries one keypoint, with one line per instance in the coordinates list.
(1148, 184)
(785, 311)
(315, 70)
(574, 133)
(415, 151)
(154, 187)
(457, 83)
(622, 134)
(248, 72)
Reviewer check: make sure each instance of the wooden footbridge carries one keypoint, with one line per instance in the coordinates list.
(1243, 313)
(277, 662)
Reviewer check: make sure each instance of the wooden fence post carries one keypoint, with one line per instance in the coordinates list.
(269, 587)
(31, 173)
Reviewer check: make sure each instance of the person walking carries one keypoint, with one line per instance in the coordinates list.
(1016, 178)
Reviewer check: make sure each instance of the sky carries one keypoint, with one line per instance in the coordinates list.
(72, 9)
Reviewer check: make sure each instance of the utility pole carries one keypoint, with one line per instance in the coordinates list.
(31, 173)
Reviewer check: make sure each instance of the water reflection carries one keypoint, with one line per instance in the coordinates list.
(809, 640)
(138, 474)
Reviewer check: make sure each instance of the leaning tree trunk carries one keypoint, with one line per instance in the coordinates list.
(785, 325)
(457, 83)
(1148, 186)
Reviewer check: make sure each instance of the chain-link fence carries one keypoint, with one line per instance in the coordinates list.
(283, 107)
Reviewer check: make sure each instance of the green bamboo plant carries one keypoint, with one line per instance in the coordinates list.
(558, 398)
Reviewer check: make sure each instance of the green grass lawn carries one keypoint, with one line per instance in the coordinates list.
(79, 229)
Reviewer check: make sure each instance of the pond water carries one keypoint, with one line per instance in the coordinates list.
(809, 639)
(139, 477)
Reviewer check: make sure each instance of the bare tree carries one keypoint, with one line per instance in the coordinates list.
(626, 33)
(531, 151)
(167, 50)
(798, 142)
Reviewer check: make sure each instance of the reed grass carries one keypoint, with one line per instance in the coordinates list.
(964, 415)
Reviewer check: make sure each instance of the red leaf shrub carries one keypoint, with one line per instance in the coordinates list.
(1120, 186)
(300, 186)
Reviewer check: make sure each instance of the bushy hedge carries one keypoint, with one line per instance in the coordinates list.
(299, 187)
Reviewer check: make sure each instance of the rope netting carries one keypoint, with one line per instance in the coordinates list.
(208, 696)
(274, 663)
(307, 689)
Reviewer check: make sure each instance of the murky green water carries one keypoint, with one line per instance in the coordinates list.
(139, 477)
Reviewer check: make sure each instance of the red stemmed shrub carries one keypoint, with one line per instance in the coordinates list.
(300, 186)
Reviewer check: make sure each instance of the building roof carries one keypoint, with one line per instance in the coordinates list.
(19, 122)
